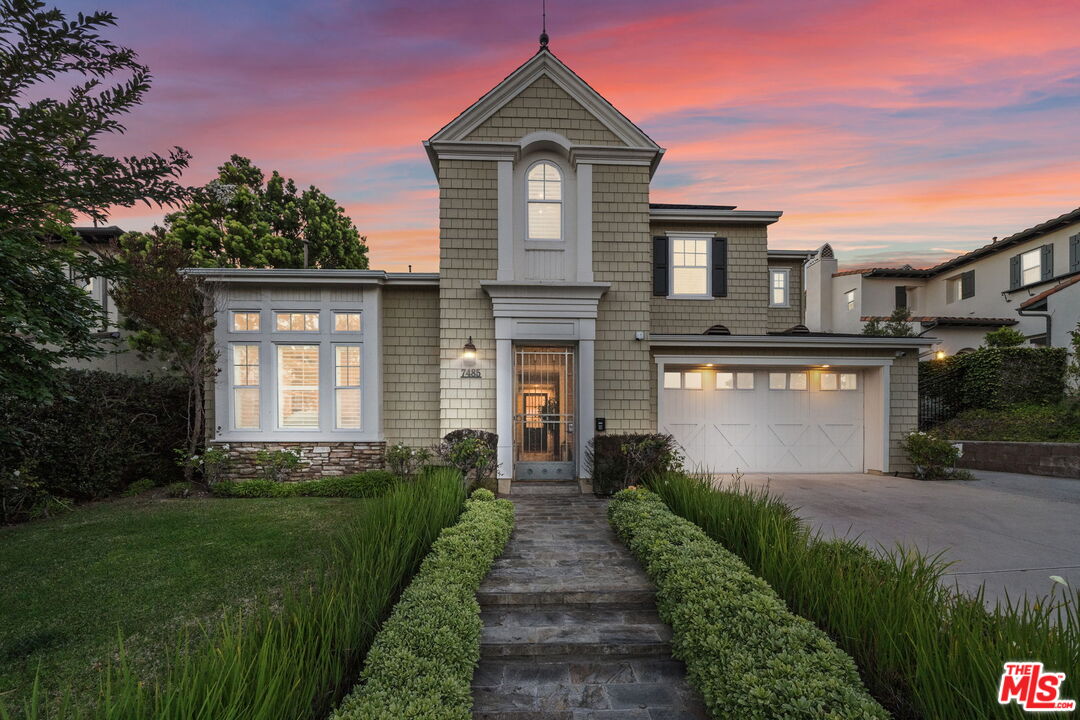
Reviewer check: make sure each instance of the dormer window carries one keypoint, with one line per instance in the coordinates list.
(545, 201)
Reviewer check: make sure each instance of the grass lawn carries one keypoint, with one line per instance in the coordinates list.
(145, 568)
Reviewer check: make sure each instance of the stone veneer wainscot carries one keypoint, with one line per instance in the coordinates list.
(317, 459)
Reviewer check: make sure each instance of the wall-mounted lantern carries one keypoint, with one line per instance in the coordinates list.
(468, 354)
(939, 355)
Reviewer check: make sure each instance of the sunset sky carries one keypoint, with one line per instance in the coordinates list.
(895, 130)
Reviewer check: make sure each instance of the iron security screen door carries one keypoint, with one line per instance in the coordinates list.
(544, 409)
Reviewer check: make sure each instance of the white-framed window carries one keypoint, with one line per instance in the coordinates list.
(346, 322)
(735, 381)
(779, 287)
(744, 381)
(725, 381)
(544, 195)
(797, 381)
(778, 381)
(849, 381)
(245, 321)
(296, 322)
(245, 387)
(690, 266)
(347, 387)
(298, 386)
(1031, 266)
(672, 380)
(828, 381)
(849, 299)
(692, 381)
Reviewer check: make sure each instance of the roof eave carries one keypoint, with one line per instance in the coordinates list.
(787, 341)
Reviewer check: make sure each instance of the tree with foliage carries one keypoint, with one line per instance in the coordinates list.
(898, 325)
(172, 315)
(1072, 371)
(56, 104)
(240, 219)
(1004, 336)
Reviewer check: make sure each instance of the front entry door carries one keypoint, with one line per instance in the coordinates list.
(544, 409)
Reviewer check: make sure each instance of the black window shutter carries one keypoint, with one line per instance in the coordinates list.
(660, 266)
(1014, 272)
(1047, 262)
(1074, 253)
(901, 297)
(719, 267)
(967, 285)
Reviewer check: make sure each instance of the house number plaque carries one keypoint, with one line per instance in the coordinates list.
(470, 373)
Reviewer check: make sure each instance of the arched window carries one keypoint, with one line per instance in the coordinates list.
(545, 201)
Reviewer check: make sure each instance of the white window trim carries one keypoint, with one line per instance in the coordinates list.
(853, 303)
(233, 386)
(539, 243)
(707, 237)
(336, 386)
(319, 386)
(1038, 268)
(786, 272)
(369, 337)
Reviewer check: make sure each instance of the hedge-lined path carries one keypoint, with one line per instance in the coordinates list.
(570, 624)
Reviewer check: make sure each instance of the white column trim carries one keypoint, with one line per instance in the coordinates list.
(584, 222)
(886, 427)
(506, 220)
(504, 405)
(586, 417)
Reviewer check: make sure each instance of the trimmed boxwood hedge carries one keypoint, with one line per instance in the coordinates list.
(422, 662)
(745, 652)
(367, 484)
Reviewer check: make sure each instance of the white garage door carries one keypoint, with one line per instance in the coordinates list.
(765, 419)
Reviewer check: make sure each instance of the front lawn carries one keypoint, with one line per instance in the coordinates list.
(145, 569)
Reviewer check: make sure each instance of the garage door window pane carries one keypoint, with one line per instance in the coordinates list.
(798, 381)
(828, 381)
(725, 381)
(744, 381)
(692, 381)
(848, 381)
(672, 380)
(777, 381)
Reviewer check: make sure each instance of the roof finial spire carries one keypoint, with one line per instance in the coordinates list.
(543, 29)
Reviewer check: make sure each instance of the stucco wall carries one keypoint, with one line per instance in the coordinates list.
(622, 256)
(468, 255)
(781, 318)
(744, 310)
(410, 360)
(543, 106)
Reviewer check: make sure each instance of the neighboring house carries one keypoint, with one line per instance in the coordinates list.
(566, 305)
(1028, 281)
(119, 357)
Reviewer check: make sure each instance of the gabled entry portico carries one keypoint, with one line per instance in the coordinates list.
(549, 315)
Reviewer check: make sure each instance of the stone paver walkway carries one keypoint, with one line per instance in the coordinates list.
(570, 624)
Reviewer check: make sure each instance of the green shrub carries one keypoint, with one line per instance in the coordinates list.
(405, 461)
(294, 658)
(422, 661)
(934, 457)
(996, 377)
(746, 654)
(923, 649)
(618, 461)
(138, 487)
(1018, 423)
(212, 464)
(277, 465)
(1004, 337)
(178, 490)
(102, 433)
(367, 484)
(473, 452)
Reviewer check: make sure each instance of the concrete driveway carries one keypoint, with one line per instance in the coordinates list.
(1010, 531)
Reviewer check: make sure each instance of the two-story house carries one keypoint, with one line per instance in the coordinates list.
(1029, 281)
(566, 304)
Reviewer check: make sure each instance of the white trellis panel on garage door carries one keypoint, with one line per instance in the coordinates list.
(763, 429)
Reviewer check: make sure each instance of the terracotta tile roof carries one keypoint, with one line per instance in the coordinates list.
(1047, 293)
(857, 271)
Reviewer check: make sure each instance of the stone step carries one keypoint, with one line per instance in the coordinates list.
(598, 598)
(598, 640)
(569, 615)
(580, 689)
(544, 487)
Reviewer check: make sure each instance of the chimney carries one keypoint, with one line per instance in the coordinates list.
(819, 290)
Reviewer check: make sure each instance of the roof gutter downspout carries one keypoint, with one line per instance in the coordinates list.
(1043, 314)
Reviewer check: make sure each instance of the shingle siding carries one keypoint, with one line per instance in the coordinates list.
(745, 309)
(543, 106)
(622, 256)
(783, 318)
(468, 255)
(410, 346)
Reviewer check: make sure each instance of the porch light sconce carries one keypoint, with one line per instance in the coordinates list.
(939, 355)
(468, 354)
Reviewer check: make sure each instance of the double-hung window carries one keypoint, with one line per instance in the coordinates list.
(849, 299)
(245, 381)
(779, 287)
(1031, 267)
(347, 386)
(298, 386)
(545, 216)
(690, 266)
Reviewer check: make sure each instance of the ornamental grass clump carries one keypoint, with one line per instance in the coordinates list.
(924, 649)
(293, 660)
(745, 652)
(422, 661)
